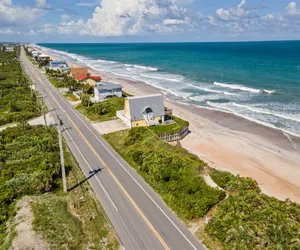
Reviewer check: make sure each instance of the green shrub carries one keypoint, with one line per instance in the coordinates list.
(103, 108)
(102, 111)
(16, 100)
(138, 134)
(172, 172)
(29, 164)
(249, 220)
(85, 100)
(171, 128)
(230, 182)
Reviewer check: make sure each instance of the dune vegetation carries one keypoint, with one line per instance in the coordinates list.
(17, 101)
(245, 219)
(173, 172)
(101, 111)
(249, 219)
(29, 165)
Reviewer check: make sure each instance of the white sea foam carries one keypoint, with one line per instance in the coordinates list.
(106, 61)
(144, 67)
(220, 107)
(267, 112)
(243, 88)
(141, 67)
(173, 85)
(162, 78)
(213, 90)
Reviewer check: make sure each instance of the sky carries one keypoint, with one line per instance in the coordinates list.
(148, 20)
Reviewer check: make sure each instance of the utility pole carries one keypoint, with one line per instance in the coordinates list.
(62, 159)
(43, 109)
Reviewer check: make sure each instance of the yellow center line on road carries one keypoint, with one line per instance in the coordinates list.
(111, 173)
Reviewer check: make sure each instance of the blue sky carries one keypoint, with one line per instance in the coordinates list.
(148, 20)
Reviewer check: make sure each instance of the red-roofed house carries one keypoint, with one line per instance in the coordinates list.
(87, 79)
(93, 80)
(82, 77)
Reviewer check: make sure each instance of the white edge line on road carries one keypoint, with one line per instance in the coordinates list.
(87, 164)
(92, 170)
(96, 136)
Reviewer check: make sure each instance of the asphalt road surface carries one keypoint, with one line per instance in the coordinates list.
(140, 217)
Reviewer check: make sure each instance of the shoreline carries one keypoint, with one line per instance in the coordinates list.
(232, 143)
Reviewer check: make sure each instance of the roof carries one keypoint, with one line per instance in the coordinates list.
(96, 78)
(108, 86)
(58, 62)
(81, 77)
(43, 55)
(78, 71)
(138, 105)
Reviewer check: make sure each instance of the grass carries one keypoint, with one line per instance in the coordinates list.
(29, 158)
(57, 225)
(173, 172)
(125, 94)
(30, 166)
(245, 219)
(75, 220)
(172, 128)
(55, 81)
(16, 100)
(102, 111)
(248, 219)
(71, 97)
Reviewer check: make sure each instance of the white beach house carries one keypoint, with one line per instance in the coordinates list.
(105, 90)
(61, 66)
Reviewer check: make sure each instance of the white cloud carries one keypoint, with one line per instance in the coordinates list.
(42, 4)
(130, 17)
(233, 13)
(6, 2)
(211, 20)
(85, 4)
(292, 10)
(174, 21)
(12, 14)
(8, 31)
(72, 28)
(64, 17)
(142, 17)
(224, 14)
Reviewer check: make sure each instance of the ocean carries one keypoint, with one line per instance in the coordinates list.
(259, 81)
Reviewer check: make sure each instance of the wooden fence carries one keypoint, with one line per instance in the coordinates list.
(177, 136)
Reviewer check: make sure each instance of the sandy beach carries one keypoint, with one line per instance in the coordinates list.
(231, 143)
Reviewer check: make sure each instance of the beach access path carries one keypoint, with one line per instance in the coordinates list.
(140, 217)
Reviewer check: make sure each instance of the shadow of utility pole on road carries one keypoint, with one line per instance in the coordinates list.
(92, 173)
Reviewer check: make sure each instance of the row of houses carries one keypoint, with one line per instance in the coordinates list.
(146, 110)
(102, 90)
(59, 65)
(7, 47)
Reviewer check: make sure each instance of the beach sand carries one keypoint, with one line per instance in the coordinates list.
(231, 143)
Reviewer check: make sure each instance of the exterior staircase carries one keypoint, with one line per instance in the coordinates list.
(150, 119)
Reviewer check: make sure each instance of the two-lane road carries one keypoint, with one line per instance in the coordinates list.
(140, 217)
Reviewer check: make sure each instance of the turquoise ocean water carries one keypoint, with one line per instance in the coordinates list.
(259, 81)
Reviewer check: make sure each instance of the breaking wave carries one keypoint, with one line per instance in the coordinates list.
(243, 88)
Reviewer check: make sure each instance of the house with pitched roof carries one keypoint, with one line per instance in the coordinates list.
(145, 110)
(74, 72)
(88, 79)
